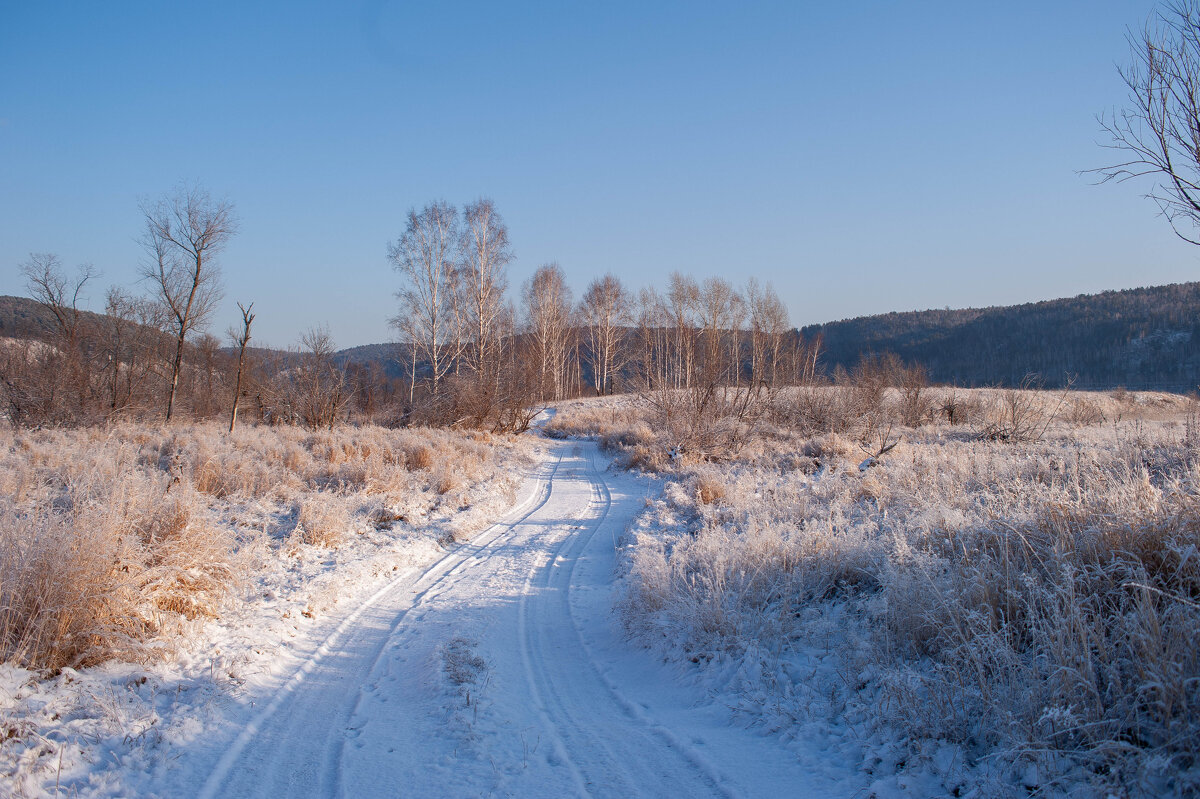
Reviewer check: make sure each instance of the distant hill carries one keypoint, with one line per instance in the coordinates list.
(21, 317)
(389, 358)
(1145, 338)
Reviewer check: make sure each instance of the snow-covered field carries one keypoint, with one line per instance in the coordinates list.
(237, 556)
(958, 617)
(961, 615)
(492, 667)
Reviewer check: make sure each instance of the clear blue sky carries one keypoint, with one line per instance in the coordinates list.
(861, 157)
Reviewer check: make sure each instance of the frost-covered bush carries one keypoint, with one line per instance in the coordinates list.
(1034, 603)
(110, 539)
(98, 557)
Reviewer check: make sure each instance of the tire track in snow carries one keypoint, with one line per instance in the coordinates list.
(405, 621)
(294, 743)
(720, 783)
(608, 745)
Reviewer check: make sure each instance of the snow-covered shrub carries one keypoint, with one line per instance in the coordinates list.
(595, 418)
(111, 538)
(323, 520)
(101, 558)
(1035, 603)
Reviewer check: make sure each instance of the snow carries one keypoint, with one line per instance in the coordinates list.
(496, 667)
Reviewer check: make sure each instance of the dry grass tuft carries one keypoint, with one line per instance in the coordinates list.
(111, 538)
(709, 489)
(1034, 598)
(420, 457)
(446, 481)
(323, 521)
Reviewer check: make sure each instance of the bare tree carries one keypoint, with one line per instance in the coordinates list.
(241, 339)
(206, 375)
(519, 388)
(131, 348)
(321, 393)
(1159, 131)
(50, 286)
(426, 258)
(486, 255)
(721, 311)
(737, 321)
(805, 358)
(605, 310)
(118, 371)
(650, 321)
(704, 410)
(768, 326)
(184, 231)
(548, 317)
(683, 297)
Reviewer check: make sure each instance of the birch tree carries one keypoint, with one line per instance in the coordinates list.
(425, 256)
(548, 318)
(650, 322)
(604, 311)
(486, 255)
(768, 326)
(683, 296)
(720, 309)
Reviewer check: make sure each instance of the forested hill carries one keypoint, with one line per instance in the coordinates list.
(21, 317)
(1146, 338)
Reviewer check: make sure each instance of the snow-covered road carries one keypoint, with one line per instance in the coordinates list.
(497, 671)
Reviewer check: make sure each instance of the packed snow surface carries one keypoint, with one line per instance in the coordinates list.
(499, 670)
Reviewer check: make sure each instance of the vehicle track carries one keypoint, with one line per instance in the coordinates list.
(369, 712)
(612, 749)
(286, 724)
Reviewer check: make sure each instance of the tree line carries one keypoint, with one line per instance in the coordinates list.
(477, 357)
(149, 355)
(469, 353)
(472, 353)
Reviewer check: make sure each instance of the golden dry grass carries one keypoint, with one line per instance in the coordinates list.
(110, 537)
(1036, 601)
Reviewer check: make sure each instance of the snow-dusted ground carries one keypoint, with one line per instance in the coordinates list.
(496, 669)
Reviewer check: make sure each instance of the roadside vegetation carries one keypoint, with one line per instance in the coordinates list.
(114, 539)
(1010, 572)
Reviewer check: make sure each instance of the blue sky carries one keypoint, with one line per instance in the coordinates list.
(860, 157)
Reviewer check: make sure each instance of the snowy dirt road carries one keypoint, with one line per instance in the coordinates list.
(497, 671)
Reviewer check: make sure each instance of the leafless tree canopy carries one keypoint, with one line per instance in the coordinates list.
(320, 393)
(184, 232)
(1158, 132)
(49, 284)
(605, 312)
(486, 254)
(548, 320)
(426, 257)
(768, 329)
